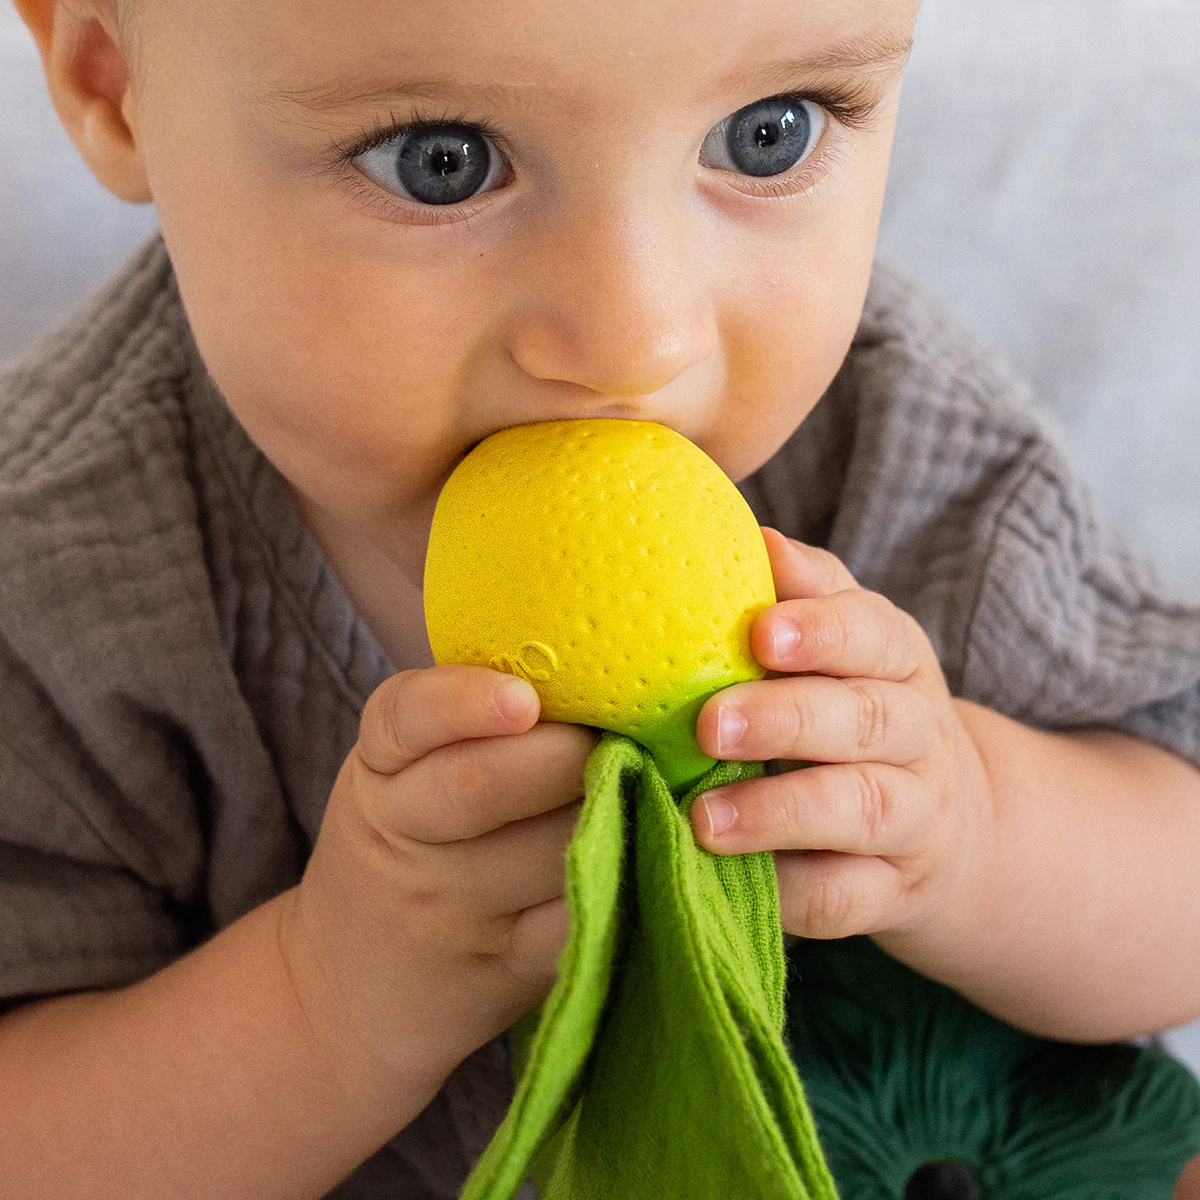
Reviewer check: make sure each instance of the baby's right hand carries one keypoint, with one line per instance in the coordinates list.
(431, 913)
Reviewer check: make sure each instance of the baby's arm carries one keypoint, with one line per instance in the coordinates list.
(1050, 877)
(1085, 918)
(202, 1081)
(272, 1060)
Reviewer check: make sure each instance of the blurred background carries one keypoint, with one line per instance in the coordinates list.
(1046, 182)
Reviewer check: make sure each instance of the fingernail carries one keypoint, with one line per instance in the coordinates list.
(513, 698)
(730, 727)
(783, 640)
(719, 813)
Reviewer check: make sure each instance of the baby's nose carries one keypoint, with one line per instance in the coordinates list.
(617, 306)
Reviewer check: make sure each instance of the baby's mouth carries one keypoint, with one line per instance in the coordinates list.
(612, 411)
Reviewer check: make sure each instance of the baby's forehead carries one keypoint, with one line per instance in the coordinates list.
(653, 40)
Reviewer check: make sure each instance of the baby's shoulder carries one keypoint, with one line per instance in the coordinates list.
(924, 433)
(98, 512)
(98, 396)
(915, 365)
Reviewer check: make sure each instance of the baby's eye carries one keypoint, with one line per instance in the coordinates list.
(767, 137)
(434, 164)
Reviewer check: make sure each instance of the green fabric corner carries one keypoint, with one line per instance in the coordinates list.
(657, 1065)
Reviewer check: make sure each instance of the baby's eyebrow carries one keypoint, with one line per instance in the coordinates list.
(352, 91)
(876, 48)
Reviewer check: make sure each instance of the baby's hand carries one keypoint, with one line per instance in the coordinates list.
(895, 820)
(431, 913)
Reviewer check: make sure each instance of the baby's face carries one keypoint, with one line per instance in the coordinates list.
(400, 225)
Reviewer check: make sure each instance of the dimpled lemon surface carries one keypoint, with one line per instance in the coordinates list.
(611, 563)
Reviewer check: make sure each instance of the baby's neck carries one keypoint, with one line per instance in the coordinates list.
(382, 581)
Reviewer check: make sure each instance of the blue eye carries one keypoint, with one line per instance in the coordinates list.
(434, 164)
(765, 138)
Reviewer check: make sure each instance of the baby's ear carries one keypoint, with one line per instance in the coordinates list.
(89, 82)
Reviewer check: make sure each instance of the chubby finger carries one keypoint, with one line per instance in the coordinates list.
(416, 712)
(861, 808)
(536, 941)
(1187, 1187)
(518, 866)
(473, 787)
(802, 571)
(827, 895)
(814, 718)
(849, 633)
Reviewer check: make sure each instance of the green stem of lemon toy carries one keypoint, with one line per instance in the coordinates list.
(676, 751)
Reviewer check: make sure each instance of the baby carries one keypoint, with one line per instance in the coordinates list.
(272, 885)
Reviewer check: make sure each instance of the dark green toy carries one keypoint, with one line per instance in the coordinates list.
(919, 1095)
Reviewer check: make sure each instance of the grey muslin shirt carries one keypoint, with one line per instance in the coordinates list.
(181, 674)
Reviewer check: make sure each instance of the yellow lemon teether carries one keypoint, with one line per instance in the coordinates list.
(611, 563)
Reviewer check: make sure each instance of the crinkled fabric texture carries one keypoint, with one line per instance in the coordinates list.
(181, 674)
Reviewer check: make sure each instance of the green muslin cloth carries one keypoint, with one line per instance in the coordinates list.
(657, 1065)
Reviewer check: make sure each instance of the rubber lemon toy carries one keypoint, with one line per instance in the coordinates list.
(611, 563)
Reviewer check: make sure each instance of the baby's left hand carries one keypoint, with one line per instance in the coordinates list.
(894, 821)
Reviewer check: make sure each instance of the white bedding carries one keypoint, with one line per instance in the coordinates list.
(1047, 181)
